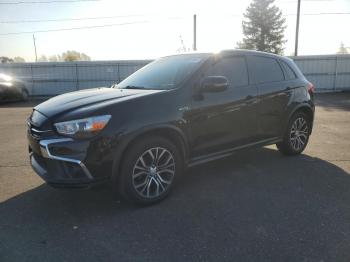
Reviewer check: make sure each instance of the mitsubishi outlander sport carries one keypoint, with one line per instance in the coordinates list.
(176, 112)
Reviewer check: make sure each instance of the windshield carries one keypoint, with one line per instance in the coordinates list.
(164, 73)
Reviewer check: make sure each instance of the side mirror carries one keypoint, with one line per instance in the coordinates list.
(212, 84)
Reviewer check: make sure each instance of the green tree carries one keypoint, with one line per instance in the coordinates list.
(263, 27)
(54, 58)
(5, 59)
(18, 59)
(72, 55)
(42, 58)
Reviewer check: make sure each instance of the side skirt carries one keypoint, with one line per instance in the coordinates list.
(227, 152)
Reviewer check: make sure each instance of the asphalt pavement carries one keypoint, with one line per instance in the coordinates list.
(254, 206)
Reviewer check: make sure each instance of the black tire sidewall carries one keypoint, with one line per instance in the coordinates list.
(126, 187)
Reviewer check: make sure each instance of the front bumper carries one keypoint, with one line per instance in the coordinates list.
(57, 170)
(67, 162)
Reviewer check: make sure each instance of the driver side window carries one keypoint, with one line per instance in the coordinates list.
(233, 68)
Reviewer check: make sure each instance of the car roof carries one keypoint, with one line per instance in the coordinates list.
(232, 52)
(249, 52)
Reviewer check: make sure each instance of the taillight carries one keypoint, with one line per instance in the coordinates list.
(310, 88)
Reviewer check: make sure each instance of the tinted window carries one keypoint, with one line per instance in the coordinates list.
(288, 71)
(266, 69)
(164, 73)
(233, 68)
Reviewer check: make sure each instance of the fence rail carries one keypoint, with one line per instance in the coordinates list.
(327, 72)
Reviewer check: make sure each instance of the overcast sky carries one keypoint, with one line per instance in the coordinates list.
(153, 28)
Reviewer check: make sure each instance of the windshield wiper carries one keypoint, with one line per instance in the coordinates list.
(134, 87)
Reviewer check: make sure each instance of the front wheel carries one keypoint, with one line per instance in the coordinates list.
(296, 136)
(149, 170)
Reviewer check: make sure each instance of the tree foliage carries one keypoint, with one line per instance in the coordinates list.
(342, 49)
(18, 59)
(263, 27)
(5, 59)
(42, 58)
(72, 55)
(67, 56)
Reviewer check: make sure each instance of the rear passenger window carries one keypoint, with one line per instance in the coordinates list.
(266, 69)
(233, 68)
(288, 71)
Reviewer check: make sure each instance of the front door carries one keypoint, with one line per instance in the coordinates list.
(226, 119)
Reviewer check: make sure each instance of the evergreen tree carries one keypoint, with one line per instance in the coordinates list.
(263, 27)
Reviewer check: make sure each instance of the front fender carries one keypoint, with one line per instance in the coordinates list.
(124, 141)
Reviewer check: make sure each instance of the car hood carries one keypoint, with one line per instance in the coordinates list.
(89, 97)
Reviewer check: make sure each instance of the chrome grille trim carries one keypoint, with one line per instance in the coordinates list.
(44, 148)
(40, 131)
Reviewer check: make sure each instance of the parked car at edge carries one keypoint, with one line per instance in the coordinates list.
(12, 89)
(176, 112)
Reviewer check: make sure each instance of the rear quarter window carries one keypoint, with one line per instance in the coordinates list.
(265, 69)
(289, 72)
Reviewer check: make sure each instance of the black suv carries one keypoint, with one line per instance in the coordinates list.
(177, 111)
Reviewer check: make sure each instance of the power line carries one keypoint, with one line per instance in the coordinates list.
(114, 24)
(82, 27)
(127, 16)
(335, 13)
(66, 19)
(46, 2)
(73, 28)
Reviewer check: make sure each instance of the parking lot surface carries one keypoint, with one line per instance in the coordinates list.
(254, 206)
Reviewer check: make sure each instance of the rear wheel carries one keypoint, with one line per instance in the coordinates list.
(149, 170)
(296, 136)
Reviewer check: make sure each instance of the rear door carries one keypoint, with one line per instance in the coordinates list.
(225, 119)
(273, 93)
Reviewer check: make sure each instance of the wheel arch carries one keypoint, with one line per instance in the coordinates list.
(306, 109)
(169, 132)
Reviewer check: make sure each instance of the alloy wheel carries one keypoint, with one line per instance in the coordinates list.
(153, 172)
(299, 134)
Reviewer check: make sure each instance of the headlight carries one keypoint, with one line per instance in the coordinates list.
(83, 127)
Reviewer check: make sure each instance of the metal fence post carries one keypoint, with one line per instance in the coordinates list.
(118, 72)
(31, 73)
(335, 73)
(76, 76)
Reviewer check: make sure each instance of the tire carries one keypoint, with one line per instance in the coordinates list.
(149, 170)
(296, 136)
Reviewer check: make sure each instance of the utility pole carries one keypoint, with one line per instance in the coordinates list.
(297, 30)
(36, 56)
(194, 32)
